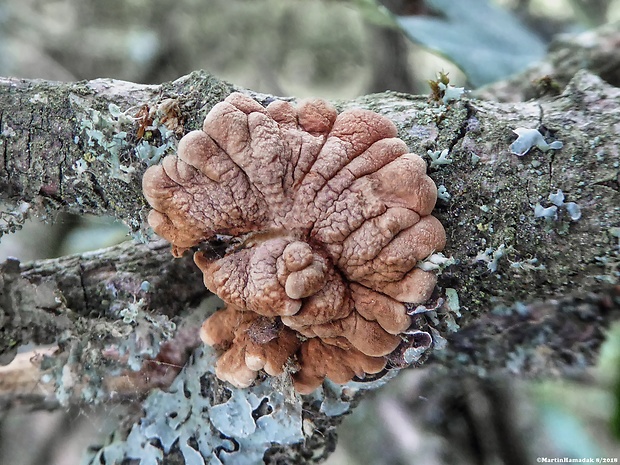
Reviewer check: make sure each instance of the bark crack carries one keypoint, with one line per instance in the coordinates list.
(4, 144)
(85, 293)
(29, 141)
(98, 190)
(463, 127)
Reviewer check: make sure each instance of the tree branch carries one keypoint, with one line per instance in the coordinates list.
(109, 312)
(75, 147)
(493, 194)
(537, 340)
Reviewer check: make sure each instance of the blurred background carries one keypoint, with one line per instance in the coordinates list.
(337, 50)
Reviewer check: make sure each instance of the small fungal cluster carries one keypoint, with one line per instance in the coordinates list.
(323, 217)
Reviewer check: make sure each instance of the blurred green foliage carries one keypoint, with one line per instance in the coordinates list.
(487, 42)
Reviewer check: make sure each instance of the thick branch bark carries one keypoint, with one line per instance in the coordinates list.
(544, 339)
(108, 312)
(492, 199)
(67, 147)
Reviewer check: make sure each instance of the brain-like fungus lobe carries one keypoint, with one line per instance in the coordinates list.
(324, 217)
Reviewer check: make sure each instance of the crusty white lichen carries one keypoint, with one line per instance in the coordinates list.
(551, 213)
(531, 264)
(103, 137)
(75, 373)
(450, 92)
(436, 262)
(152, 152)
(491, 257)
(439, 157)
(529, 138)
(13, 220)
(443, 194)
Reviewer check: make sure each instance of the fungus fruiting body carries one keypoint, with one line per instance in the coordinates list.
(325, 218)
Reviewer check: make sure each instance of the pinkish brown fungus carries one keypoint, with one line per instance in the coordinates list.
(329, 215)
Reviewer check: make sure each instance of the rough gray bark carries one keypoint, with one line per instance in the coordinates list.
(595, 51)
(105, 311)
(67, 147)
(82, 147)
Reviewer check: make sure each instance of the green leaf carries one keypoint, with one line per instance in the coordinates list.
(486, 42)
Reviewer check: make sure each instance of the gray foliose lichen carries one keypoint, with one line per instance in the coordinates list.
(207, 430)
(209, 422)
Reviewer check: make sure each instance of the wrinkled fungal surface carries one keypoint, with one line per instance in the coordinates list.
(324, 217)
